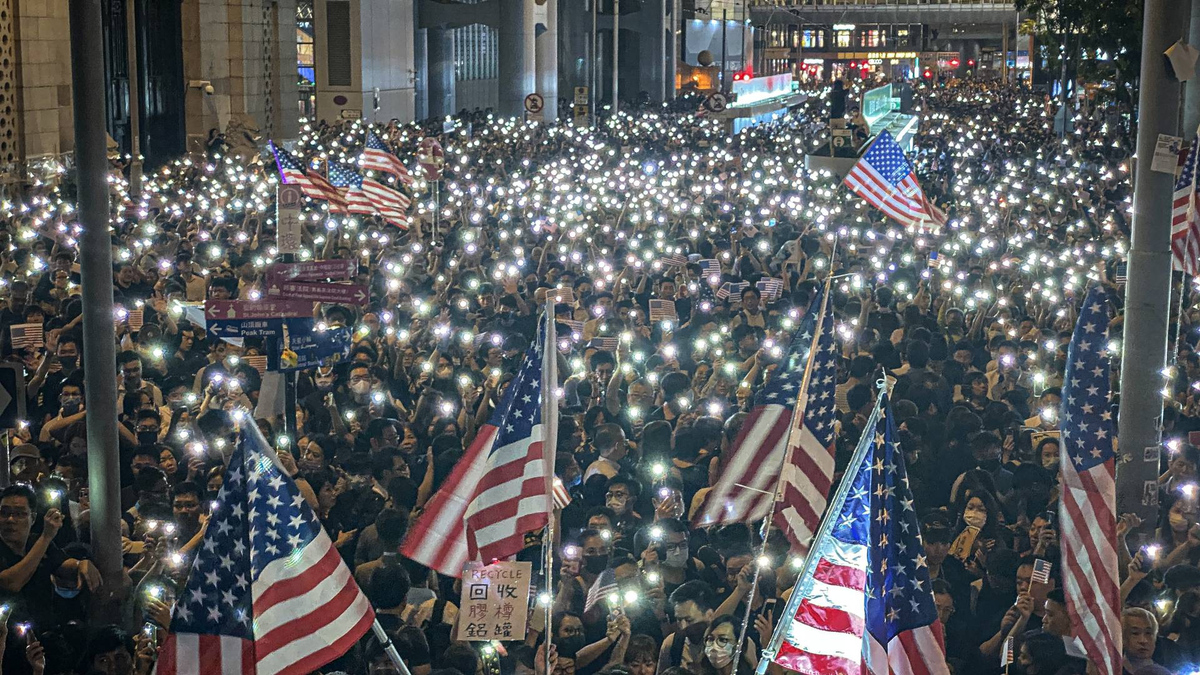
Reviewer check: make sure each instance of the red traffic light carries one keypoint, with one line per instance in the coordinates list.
(928, 74)
(971, 63)
(954, 62)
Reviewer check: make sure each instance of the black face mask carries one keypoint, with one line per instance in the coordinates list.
(989, 465)
(595, 564)
(147, 437)
(695, 632)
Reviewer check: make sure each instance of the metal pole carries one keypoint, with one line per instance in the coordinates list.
(1148, 291)
(135, 101)
(824, 531)
(616, 61)
(593, 65)
(289, 388)
(99, 348)
(724, 48)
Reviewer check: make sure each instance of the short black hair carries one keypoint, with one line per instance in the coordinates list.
(392, 525)
(389, 586)
(20, 490)
(696, 591)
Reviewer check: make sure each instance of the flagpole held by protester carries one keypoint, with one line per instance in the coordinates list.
(863, 601)
(801, 399)
(827, 523)
(549, 447)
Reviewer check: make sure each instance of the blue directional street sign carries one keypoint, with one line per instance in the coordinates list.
(308, 348)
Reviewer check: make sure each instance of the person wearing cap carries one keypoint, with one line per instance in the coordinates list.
(26, 465)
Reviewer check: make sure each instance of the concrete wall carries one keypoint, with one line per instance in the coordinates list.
(247, 50)
(387, 58)
(472, 94)
(43, 78)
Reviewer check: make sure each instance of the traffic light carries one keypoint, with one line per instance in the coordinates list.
(954, 63)
(970, 63)
(928, 74)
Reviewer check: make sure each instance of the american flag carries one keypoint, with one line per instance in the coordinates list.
(1041, 571)
(605, 583)
(662, 309)
(863, 603)
(746, 488)
(808, 467)
(500, 489)
(1185, 220)
(311, 183)
(389, 202)
(884, 178)
(377, 157)
(349, 182)
(1087, 507)
(731, 288)
(710, 267)
(673, 260)
(1006, 655)
(605, 344)
(268, 592)
(27, 336)
(770, 288)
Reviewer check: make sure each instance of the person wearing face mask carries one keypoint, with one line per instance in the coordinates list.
(621, 494)
(693, 605)
(71, 409)
(719, 642)
(978, 530)
(667, 550)
(986, 450)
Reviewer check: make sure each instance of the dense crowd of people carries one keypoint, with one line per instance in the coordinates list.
(969, 325)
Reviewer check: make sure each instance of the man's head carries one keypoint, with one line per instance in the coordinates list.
(16, 515)
(185, 504)
(943, 598)
(129, 364)
(596, 551)
(694, 604)
(1139, 631)
(392, 525)
(610, 442)
(622, 492)
(1057, 621)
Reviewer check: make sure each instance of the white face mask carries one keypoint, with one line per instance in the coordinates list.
(719, 656)
(976, 519)
(616, 504)
(361, 388)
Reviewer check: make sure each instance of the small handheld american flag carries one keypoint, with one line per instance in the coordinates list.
(27, 336)
(770, 288)
(1185, 220)
(1041, 571)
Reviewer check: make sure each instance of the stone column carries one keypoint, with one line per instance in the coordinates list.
(673, 25)
(440, 55)
(654, 48)
(516, 56)
(547, 61)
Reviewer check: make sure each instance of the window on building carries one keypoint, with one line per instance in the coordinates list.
(842, 38)
(793, 39)
(305, 60)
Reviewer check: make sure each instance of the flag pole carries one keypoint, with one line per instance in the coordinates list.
(766, 526)
(389, 648)
(549, 448)
(827, 523)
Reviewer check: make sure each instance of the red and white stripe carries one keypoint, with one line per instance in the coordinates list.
(747, 485)
(510, 499)
(389, 202)
(357, 202)
(1087, 514)
(381, 160)
(906, 203)
(826, 634)
(806, 478)
(1185, 221)
(307, 612)
(920, 651)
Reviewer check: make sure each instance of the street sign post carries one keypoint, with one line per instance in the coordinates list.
(716, 102)
(12, 396)
(534, 107)
(267, 308)
(304, 347)
(347, 294)
(581, 95)
(289, 230)
(318, 270)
